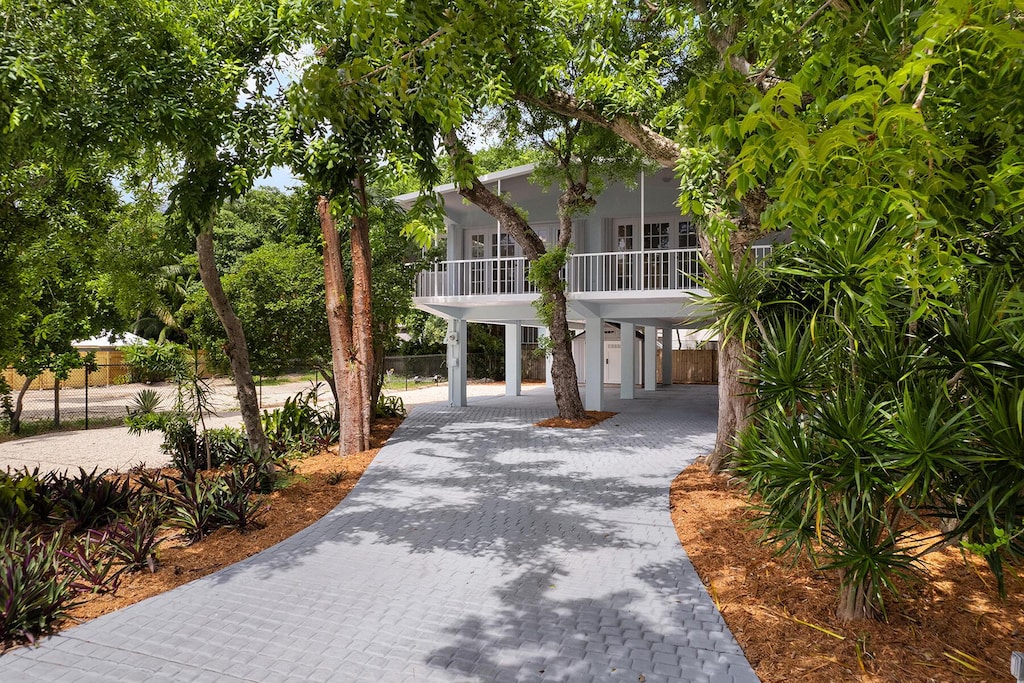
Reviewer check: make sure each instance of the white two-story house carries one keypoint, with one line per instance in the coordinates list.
(631, 275)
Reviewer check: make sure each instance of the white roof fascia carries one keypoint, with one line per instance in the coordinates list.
(408, 198)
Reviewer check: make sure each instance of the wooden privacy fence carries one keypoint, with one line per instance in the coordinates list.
(692, 366)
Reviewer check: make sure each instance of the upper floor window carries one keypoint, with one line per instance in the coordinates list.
(478, 247)
(688, 235)
(656, 235)
(624, 237)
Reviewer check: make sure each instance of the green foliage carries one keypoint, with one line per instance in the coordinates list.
(146, 402)
(862, 428)
(198, 505)
(134, 544)
(91, 499)
(89, 560)
(25, 498)
(156, 362)
(6, 407)
(545, 274)
(35, 594)
(390, 406)
(299, 425)
(277, 291)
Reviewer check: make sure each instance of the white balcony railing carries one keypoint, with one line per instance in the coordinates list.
(663, 270)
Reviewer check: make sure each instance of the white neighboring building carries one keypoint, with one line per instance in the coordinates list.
(634, 261)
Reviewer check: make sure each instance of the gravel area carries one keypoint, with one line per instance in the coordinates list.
(114, 448)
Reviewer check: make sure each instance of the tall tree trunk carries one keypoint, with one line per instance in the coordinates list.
(19, 404)
(564, 379)
(666, 152)
(236, 348)
(339, 323)
(733, 401)
(362, 304)
(56, 401)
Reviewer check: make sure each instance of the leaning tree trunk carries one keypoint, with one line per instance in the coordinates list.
(362, 304)
(339, 323)
(236, 347)
(19, 404)
(552, 287)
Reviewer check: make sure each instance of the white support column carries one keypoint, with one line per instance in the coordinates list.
(627, 388)
(548, 359)
(650, 358)
(513, 359)
(594, 396)
(457, 363)
(666, 356)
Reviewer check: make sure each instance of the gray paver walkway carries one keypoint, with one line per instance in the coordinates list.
(475, 548)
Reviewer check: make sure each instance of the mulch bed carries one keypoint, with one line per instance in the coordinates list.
(949, 625)
(594, 417)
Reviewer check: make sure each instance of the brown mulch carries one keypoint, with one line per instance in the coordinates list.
(949, 626)
(308, 498)
(593, 417)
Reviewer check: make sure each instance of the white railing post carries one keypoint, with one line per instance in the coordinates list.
(661, 270)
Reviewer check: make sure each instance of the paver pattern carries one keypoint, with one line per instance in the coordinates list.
(475, 548)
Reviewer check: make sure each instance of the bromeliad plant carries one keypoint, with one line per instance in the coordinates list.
(299, 425)
(35, 591)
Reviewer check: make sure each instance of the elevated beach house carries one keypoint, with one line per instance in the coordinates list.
(631, 275)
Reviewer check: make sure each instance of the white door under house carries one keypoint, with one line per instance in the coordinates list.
(612, 362)
(612, 356)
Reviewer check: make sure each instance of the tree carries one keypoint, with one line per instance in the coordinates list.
(99, 85)
(59, 294)
(340, 125)
(276, 291)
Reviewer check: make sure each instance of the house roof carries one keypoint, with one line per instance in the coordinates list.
(406, 200)
(109, 339)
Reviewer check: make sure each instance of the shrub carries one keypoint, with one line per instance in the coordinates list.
(155, 362)
(89, 560)
(134, 543)
(91, 499)
(228, 446)
(236, 506)
(6, 407)
(192, 506)
(390, 406)
(299, 425)
(34, 592)
(26, 498)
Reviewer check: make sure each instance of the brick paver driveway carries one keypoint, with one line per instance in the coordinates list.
(476, 548)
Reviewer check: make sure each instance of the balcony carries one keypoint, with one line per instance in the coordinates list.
(662, 271)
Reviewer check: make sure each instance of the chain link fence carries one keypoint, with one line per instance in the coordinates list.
(102, 395)
(88, 397)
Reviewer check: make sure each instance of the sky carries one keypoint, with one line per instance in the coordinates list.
(280, 178)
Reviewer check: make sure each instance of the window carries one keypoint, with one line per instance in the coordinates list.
(624, 237)
(688, 235)
(505, 249)
(656, 235)
(477, 247)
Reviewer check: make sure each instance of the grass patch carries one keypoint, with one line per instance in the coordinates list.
(35, 428)
(403, 383)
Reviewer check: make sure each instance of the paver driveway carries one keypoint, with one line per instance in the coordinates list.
(475, 548)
